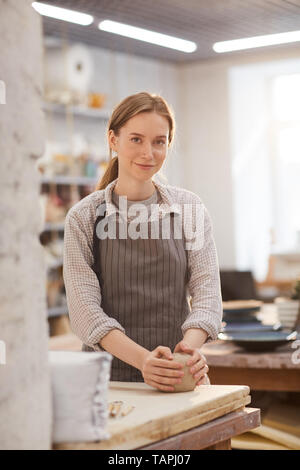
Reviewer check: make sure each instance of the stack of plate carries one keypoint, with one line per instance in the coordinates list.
(261, 341)
(244, 329)
(241, 316)
(241, 312)
(287, 311)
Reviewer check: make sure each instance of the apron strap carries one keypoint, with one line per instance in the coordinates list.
(96, 244)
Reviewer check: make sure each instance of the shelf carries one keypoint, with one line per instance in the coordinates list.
(69, 180)
(55, 265)
(293, 256)
(57, 311)
(80, 111)
(52, 226)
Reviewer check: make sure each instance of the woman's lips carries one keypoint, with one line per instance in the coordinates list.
(146, 167)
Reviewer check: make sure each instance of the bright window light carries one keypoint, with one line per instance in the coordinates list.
(63, 14)
(147, 36)
(286, 97)
(256, 41)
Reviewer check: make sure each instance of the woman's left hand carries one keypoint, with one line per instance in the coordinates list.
(197, 363)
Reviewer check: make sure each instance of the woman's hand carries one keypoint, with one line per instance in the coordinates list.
(199, 368)
(160, 371)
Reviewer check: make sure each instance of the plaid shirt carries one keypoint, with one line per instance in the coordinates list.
(87, 318)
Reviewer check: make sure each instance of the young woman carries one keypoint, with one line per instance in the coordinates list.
(143, 298)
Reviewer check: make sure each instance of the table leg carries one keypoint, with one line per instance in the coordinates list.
(223, 445)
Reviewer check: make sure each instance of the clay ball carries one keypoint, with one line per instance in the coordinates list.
(188, 383)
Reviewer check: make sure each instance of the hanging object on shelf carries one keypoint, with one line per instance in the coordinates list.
(96, 100)
(68, 74)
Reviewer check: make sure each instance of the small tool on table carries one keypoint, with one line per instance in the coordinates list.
(114, 408)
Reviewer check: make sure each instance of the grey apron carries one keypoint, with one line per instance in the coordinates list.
(143, 286)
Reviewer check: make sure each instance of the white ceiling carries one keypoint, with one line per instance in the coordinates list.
(202, 21)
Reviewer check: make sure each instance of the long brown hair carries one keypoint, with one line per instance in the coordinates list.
(125, 110)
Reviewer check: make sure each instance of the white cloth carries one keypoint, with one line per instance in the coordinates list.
(79, 382)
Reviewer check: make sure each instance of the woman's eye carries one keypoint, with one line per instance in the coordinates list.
(134, 139)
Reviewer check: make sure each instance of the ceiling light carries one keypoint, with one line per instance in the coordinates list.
(63, 14)
(256, 41)
(147, 36)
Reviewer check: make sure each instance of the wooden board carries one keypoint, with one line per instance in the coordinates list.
(211, 435)
(283, 438)
(251, 441)
(158, 415)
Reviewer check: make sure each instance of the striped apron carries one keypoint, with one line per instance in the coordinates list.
(143, 286)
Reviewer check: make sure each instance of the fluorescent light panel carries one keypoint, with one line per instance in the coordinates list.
(147, 36)
(63, 14)
(256, 41)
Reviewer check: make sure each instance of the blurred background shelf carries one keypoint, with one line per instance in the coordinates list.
(57, 311)
(73, 162)
(79, 111)
(53, 226)
(69, 180)
(55, 264)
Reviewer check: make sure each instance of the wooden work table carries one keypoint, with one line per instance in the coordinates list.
(206, 418)
(272, 371)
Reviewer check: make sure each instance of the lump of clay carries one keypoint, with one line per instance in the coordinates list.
(188, 383)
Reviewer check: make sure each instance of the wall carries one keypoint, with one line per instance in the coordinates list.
(214, 133)
(206, 148)
(25, 401)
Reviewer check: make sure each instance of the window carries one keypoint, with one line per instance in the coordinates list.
(286, 160)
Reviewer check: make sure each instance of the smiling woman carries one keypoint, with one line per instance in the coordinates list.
(131, 295)
(141, 129)
(141, 156)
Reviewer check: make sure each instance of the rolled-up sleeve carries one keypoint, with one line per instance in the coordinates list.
(204, 285)
(87, 319)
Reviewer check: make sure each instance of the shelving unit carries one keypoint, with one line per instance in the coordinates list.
(52, 226)
(76, 110)
(56, 264)
(68, 180)
(64, 184)
(57, 311)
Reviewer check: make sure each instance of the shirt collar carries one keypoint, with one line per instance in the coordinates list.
(166, 207)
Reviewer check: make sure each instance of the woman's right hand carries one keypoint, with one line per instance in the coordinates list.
(160, 371)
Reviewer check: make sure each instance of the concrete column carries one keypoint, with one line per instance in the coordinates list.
(25, 394)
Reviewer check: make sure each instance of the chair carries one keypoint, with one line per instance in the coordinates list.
(237, 285)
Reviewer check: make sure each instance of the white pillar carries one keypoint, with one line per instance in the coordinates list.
(25, 398)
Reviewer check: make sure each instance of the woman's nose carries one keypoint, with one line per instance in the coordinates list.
(147, 150)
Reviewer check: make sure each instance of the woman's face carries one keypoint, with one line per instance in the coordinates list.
(141, 145)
